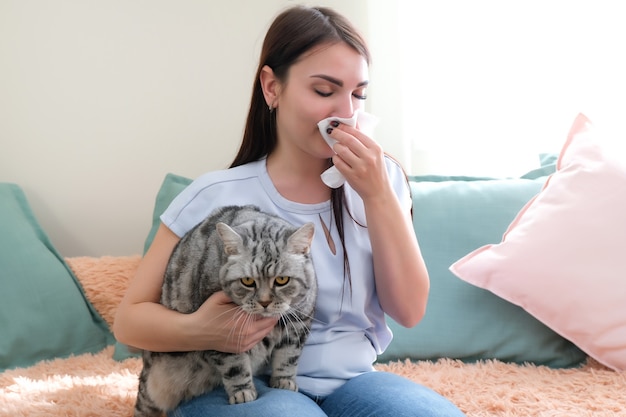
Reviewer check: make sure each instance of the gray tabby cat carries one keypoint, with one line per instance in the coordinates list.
(263, 264)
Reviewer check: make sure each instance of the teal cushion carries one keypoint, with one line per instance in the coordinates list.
(123, 352)
(172, 185)
(452, 216)
(44, 313)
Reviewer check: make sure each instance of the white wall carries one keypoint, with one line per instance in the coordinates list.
(100, 99)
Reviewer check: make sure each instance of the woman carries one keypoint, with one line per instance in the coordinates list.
(313, 65)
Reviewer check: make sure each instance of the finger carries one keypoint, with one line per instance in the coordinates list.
(359, 135)
(344, 158)
(341, 165)
(256, 330)
(264, 324)
(353, 152)
(347, 145)
(221, 297)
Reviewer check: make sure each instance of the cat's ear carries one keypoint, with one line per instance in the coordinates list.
(231, 239)
(300, 240)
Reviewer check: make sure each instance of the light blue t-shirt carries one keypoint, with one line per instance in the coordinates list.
(349, 328)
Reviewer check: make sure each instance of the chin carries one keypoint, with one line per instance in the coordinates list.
(325, 152)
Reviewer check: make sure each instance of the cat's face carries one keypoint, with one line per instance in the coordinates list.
(267, 296)
(268, 276)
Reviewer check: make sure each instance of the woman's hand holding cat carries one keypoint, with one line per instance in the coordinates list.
(227, 328)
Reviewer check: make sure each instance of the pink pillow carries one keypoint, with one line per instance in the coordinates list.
(563, 258)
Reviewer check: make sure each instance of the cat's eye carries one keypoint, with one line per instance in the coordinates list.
(281, 280)
(248, 282)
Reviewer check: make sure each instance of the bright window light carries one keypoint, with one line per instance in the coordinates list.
(490, 84)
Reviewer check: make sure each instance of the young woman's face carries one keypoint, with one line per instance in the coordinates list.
(330, 80)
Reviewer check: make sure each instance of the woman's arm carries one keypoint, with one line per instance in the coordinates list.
(142, 322)
(402, 281)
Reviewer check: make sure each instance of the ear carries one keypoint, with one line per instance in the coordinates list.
(233, 243)
(270, 86)
(300, 241)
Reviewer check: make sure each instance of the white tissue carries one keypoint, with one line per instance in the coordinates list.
(332, 177)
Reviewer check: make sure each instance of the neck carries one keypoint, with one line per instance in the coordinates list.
(299, 180)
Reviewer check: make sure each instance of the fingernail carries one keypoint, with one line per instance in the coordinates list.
(329, 130)
(334, 123)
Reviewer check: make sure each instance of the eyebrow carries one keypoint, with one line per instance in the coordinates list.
(336, 81)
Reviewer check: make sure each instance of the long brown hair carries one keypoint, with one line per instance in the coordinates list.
(294, 32)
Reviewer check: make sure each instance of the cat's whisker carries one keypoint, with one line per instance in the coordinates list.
(284, 321)
(308, 316)
(288, 322)
(297, 323)
(235, 317)
(236, 307)
(242, 319)
(246, 324)
(234, 321)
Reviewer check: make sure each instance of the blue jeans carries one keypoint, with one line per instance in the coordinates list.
(373, 394)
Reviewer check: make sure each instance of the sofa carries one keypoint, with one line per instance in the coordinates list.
(525, 314)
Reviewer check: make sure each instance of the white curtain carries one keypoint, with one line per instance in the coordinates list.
(487, 85)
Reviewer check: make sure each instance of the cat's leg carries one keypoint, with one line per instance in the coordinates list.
(204, 375)
(144, 406)
(285, 365)
(172, 378)
(236, 371)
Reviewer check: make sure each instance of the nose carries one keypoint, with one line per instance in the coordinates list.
(345, 106)
(264, 303)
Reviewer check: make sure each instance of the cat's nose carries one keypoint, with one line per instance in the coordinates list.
(264, 303)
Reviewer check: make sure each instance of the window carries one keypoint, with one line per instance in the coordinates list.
(490, 84)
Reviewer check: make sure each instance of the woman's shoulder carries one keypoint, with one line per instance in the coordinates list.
(394, 167)
(398, 177)
(240, 172)
(207, 192)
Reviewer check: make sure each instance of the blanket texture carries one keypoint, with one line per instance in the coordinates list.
(97, 385)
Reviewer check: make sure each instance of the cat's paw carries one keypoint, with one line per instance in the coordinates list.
(284, 383)
(243, 396)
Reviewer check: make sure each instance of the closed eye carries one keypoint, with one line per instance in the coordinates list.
(355, 95)
(323, 93)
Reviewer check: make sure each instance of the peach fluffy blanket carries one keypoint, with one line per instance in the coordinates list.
(97, 385)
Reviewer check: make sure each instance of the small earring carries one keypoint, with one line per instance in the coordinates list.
(271, 107)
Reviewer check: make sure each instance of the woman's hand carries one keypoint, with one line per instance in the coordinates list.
(227, 328)
(361, 161)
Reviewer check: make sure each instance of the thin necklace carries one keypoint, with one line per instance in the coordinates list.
(329, 238)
